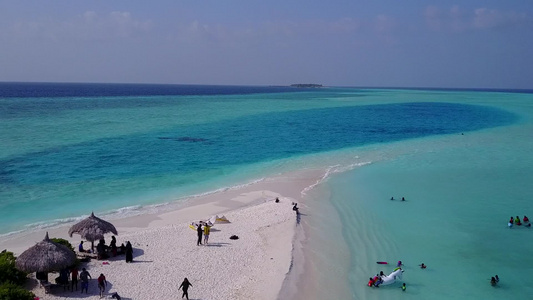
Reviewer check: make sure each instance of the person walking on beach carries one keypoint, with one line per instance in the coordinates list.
(84, 277)
(200, 232)
(207, 229)
(185, 284)
(74, 277)
(102, 284)
(129, 252)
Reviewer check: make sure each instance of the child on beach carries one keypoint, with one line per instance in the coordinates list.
(102, 283)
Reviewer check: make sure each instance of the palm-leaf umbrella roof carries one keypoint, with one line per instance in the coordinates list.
(45, 256)
(92, 228)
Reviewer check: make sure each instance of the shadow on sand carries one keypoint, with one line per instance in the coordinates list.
(217, 244)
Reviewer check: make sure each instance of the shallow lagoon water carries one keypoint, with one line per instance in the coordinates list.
(460, 192)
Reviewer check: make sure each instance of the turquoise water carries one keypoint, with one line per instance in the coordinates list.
(460, 192)
(64, 154)
(461, 159)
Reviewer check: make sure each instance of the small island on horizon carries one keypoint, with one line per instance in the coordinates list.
(306, 85)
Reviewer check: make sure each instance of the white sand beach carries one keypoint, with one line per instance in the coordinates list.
(165, 250)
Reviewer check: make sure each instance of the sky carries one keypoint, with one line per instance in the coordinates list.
(370, 43)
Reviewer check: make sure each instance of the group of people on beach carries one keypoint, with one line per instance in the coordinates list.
(203, 232)
(516, 221)
(103, 251)
(83, 277)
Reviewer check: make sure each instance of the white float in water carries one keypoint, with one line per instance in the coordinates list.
(396, 275)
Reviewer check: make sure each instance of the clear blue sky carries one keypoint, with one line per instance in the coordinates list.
(389, 43)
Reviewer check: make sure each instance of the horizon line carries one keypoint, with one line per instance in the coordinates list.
(279, 85)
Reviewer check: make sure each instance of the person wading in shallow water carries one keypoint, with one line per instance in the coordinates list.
(185, 284)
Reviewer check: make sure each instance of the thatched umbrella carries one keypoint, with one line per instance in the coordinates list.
(92, 229)
(45, 256)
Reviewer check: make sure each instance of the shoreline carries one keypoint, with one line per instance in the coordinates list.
(267, 236)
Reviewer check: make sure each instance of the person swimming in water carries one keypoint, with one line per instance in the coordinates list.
(517, 221)
(370, 281)
(422, 266)
(493, 281)
(399, 264)
(404, 287)
(378, 282)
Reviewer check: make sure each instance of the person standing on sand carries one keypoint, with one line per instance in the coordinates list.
(185, 284)
(113, 246)
(200, 232)
(207, 229)
(129, 252)
(74, 277)
(84, 277)
(102, 284)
